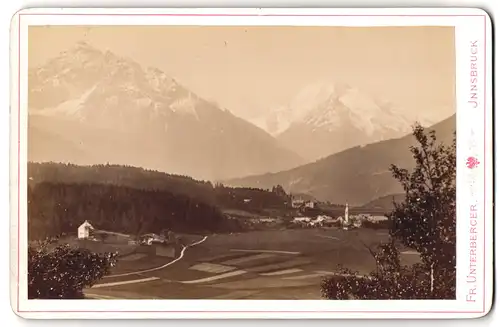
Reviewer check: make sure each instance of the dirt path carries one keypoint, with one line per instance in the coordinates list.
(184, 248)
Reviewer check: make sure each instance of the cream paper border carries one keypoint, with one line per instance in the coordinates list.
(474, 138)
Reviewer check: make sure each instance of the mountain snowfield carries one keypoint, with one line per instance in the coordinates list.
(325, 118)
(92, 85)
(92, 107)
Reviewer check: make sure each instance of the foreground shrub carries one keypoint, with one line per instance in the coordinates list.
(425, 221)
(62, 271)
(390, 281)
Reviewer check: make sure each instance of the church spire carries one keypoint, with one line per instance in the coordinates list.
(346, 218)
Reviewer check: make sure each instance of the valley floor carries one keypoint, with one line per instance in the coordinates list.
(272, 265)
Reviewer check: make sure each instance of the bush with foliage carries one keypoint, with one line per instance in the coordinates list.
(425, 221)
(62, 272)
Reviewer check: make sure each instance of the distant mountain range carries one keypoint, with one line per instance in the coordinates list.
(92, 107)
(326, 118)
(357, 175)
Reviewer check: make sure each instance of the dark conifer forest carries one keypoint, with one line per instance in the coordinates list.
(134, 200)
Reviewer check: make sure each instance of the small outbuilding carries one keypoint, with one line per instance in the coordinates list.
(84, 230)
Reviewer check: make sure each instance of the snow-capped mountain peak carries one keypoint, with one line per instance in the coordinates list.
(314, 95)
(86, 83)
(87, 106)
(327, 105)
(335, 116)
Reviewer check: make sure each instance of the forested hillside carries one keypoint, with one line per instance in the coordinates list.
(56, 208)
(135, 200)
(121, 176)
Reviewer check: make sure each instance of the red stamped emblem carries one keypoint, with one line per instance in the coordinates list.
(472, 162)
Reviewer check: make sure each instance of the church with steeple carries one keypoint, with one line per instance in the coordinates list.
(345, 222)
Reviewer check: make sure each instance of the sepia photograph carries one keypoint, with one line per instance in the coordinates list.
(241, 162)
(251, 163)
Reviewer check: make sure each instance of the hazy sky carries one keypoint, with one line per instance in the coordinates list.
(251, 69)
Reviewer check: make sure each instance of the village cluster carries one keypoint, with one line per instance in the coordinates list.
(308, 220)
(346, 222)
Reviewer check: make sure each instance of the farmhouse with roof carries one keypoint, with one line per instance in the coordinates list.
(84, 230)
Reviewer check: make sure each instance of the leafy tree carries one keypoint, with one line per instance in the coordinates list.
(62, 271)
(280, 191)
(424, 221)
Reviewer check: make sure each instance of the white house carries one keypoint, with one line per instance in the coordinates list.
(84, 230)
(301, 219)
(297, 203)
(267, 220)
(149, 239)
(317, 222)
(378, 218)
(321, 219)
(310, 204)
(357, 223)
(326, 219)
